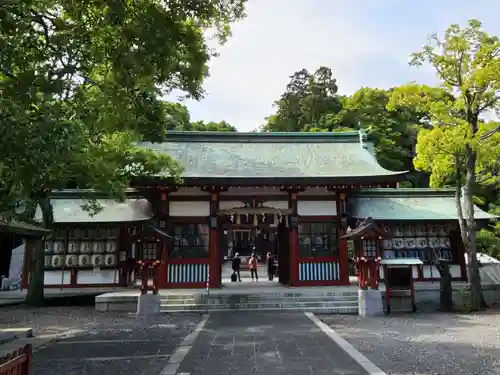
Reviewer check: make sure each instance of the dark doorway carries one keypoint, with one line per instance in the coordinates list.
(8, 242)
(265, 239)
(243, 241)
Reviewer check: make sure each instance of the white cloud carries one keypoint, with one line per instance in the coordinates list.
(364, 43)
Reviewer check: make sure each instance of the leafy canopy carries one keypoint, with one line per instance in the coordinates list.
(467, 63)
(80, 82)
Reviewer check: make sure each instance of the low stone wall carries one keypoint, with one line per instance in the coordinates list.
(427, 294)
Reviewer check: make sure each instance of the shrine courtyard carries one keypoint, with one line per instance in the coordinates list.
(80, 340)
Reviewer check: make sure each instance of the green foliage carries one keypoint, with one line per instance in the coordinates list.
(310, 103)
(307, 98)
(441, 150)
(459, 148)
(72, 109)
(80, 83)
(467, 62)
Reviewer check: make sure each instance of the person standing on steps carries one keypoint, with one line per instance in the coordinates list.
(236, 265)
(270, 266)
(252, 264)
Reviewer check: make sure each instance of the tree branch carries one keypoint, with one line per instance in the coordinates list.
(489, 133)
(491, 103)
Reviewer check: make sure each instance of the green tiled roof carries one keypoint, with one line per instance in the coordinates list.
(408, 204)
(21, 228)
(69, 210)
(271, 155)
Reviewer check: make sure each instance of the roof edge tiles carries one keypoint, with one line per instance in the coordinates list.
(21, 228)
(89, 193)
(390, 204)
(404, 192)
(266, 137)
(70, 210)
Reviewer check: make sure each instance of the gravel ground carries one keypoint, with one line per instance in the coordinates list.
(100, 343)
(425, 344)
(48, 321)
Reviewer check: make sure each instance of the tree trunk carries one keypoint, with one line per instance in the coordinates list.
(468, 230)
(445, 288)
(35, 295)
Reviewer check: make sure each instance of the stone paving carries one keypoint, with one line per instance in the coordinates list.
(426, 344)
(277, 343)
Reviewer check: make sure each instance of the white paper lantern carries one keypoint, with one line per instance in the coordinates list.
(84, 260)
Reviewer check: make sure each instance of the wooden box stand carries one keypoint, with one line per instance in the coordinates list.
(148, 304)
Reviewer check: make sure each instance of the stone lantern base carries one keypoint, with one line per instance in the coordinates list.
(148, 304)
(370, 302)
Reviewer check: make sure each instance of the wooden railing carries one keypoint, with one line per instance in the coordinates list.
(18, 362)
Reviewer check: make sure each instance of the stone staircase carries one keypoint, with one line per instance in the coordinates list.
(340, 302)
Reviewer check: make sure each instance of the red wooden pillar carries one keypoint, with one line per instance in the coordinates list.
(214, 261)
(343, 253)
(294, 239)
(163, 212)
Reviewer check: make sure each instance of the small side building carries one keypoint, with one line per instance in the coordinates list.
(423, 223)
(87, 250)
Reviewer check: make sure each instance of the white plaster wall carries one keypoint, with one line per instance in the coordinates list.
(189, 208)
(280, 205)
(98, 277)
(317, 208)
(316, 191)
(255, 191)
(227, 205)
(189, 191)
(431, 271)
(57, 277)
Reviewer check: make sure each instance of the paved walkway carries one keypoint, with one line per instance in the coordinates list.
(125, 346)
(251, 343)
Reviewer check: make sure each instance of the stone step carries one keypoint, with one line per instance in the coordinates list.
(230, 300)
(254, 297)
(328, 310)
(256, 294)
(276, 304)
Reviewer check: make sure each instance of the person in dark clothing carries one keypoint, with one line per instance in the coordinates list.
(270, 266)
(236, 265)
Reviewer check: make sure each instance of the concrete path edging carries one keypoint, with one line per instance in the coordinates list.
(183, 349)
(355, 354)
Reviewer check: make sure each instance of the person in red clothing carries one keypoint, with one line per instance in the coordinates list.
(252, 265)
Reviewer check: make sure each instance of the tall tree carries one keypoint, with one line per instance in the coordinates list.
(394, 133)
(467, 63)
(307, 98)
(79, 84)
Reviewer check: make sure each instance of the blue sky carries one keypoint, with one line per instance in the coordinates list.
(364, 42)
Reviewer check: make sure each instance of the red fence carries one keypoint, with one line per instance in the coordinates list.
(17, 363)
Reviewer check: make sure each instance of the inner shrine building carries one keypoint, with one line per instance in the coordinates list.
(291, 194)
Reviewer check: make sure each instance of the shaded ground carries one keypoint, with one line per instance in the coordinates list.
(270, 343)
(425, 344)
(100, 343)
